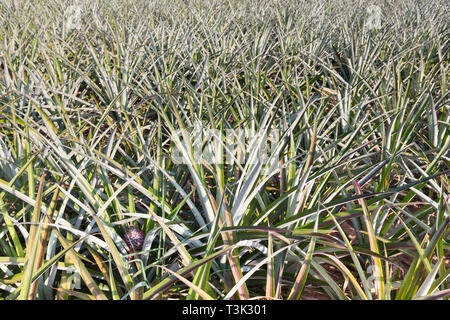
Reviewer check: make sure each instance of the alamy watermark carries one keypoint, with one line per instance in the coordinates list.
(74, 278)
(72, 18)
(374, 18)
(75, 15)
(231, 146)
(374, 280)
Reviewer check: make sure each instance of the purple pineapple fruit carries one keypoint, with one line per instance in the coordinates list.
(134, 238)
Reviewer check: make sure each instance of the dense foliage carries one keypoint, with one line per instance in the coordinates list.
(118, 114)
